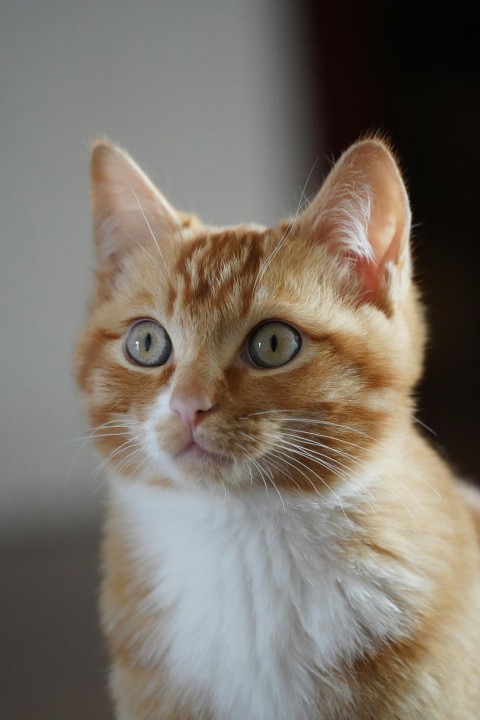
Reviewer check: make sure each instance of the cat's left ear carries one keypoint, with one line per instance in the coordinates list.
(363, 213)
(128, 210)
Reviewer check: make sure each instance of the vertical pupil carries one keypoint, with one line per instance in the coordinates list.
(148, 341)
(273, 343)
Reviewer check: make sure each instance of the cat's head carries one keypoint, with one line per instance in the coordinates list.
(246, 355)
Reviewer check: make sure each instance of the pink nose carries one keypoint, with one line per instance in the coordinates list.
(191, 408)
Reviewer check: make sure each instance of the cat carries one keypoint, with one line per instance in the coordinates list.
(281, 543)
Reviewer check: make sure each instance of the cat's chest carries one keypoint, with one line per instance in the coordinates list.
(257, 599)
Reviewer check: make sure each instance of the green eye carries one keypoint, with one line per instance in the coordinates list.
(274, 344)
(148, 344)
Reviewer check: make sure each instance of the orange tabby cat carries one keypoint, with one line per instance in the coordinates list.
(281, 543)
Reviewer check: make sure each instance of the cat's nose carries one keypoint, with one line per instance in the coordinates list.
(191, 407)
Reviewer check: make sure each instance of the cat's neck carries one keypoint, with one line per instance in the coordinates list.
(331, 500)
(222, 561)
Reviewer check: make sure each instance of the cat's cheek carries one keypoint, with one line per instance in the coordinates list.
(160, 433)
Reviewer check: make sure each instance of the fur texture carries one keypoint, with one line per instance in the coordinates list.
(281, 543)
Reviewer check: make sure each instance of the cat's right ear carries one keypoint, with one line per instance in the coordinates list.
(128, 210)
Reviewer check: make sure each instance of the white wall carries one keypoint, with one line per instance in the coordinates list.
(209, 96)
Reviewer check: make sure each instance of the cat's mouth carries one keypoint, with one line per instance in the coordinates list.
(194, 451)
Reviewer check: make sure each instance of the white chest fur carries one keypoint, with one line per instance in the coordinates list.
(260, 596)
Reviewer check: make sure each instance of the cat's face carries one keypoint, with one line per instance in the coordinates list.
(245, 355)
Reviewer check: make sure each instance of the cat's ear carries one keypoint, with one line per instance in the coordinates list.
(128, 210)
(362, 211)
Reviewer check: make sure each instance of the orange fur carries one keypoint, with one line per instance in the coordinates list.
(363, 338)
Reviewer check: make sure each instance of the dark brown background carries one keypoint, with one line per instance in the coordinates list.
(411, 70)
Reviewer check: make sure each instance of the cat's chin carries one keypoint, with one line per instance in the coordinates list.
(195, 456)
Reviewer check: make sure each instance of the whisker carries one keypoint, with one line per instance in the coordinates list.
(282, 415)
(148, 257)
(128, 443)
(326, 462)
(308, 441)
(153, 236)
(270, 477)
(96, 436)
(420, 422)
(285, 454)
(252, 460)
(329, 437)
(281, 469)
(396, 482)
(83, 440)
(268, 461)
(142, 462)
(378, 443)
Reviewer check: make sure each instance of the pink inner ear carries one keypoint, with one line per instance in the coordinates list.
(385, 237)
(368, 271)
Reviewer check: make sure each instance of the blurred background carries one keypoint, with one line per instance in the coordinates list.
(227, 105)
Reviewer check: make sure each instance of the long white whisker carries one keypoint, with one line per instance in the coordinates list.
(128, 443)
(83, 440)
(315, 421)
(252, 460)
(314, 455)
(321, 479)
(281, 414)
(281, 469)
(148, 257)
(153, 235)
(309, 433)
(285, 455)
(142, 461)
(272, 481)
(97, 436)
(417, 420)
(325, 461)
(308, 441)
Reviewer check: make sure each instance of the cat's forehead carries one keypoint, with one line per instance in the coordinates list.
(235, 247)
(217, 263)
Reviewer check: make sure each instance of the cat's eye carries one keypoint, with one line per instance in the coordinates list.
(273, 344)
(148, 344)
